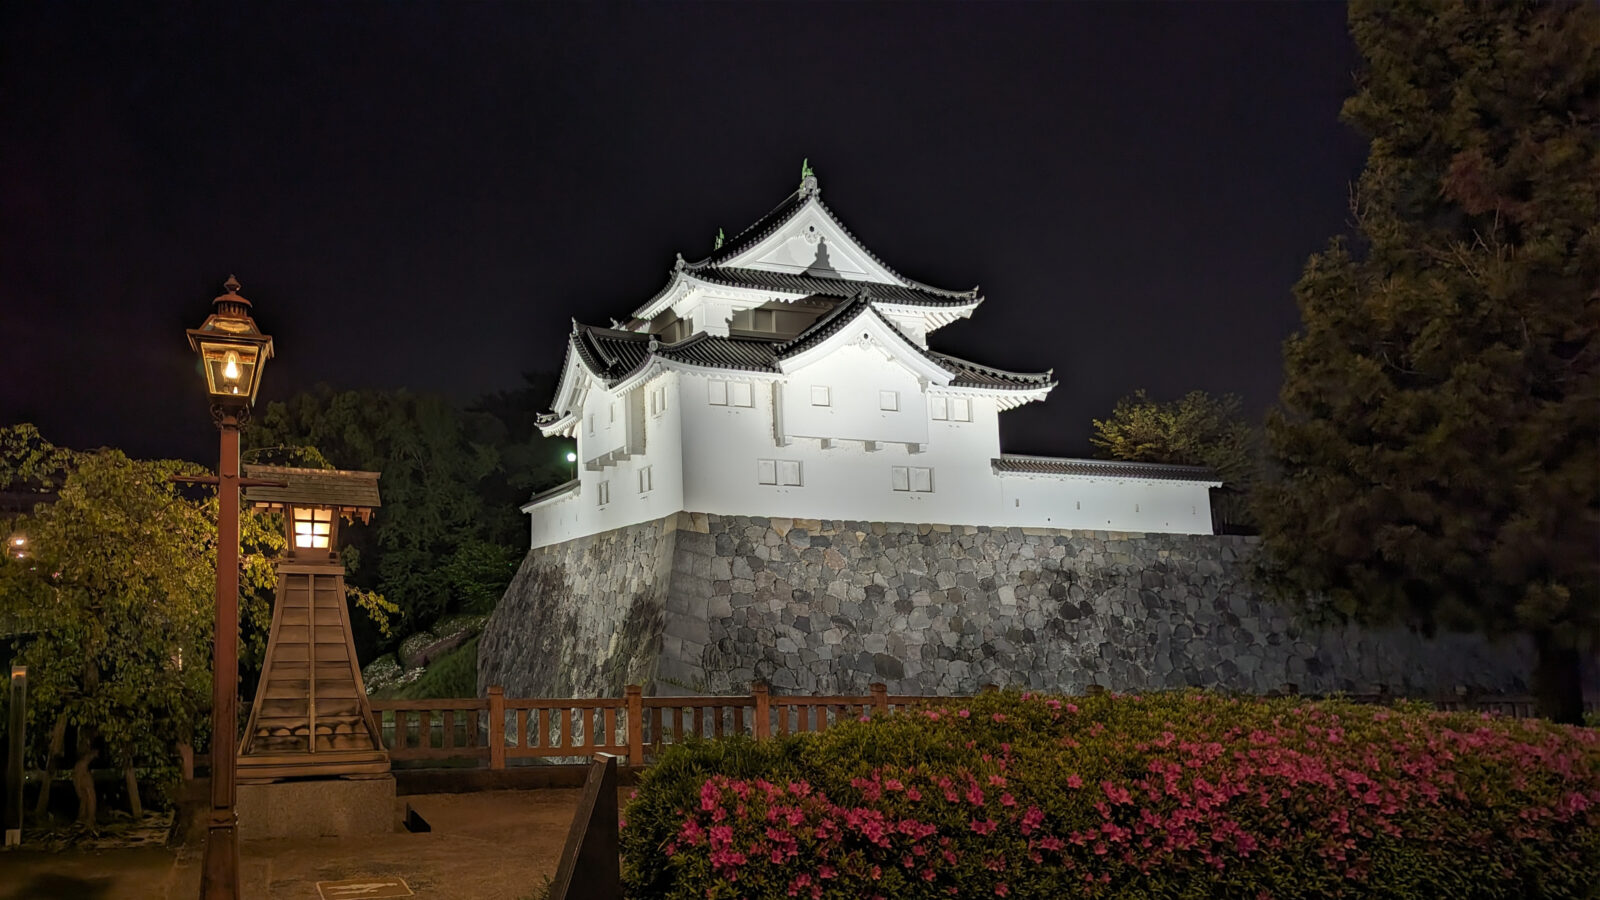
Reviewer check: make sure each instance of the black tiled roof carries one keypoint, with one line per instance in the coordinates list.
(610, 353)
(1101, 468)
(833, 287)
(971, 374)
(712, 269)
(749, 354)
(756, 231)
(827, 325)
(614, 355)
(785, 211)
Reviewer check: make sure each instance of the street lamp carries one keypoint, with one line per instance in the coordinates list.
(572, 460)
(232, 354)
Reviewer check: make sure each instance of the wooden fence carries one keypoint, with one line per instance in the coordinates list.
(496, 728)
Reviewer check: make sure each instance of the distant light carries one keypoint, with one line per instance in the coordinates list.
(571, 457)
(19, 541)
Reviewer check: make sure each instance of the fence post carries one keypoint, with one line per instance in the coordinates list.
(635, 698)
(880, 696)
(497, 727)
(14, 769)
(763, 699)
(1095, 690)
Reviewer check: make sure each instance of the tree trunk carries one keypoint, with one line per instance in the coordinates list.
(135, 806)
(1557, 684)
(58, 741)
(83, 779)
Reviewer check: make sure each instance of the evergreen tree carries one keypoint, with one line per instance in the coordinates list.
(1438, 442)
(1197, 430)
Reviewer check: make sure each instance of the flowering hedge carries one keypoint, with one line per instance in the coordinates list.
(1166, 795)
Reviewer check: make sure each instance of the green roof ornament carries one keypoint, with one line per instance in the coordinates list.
(717, 245)
(808, 179)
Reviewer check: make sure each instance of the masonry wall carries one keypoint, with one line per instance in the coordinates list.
(707, 603)
(582, 618)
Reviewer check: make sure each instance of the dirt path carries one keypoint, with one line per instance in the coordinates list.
(492, 845)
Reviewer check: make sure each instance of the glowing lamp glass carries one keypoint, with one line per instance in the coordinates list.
(230, 369)
(313, 528)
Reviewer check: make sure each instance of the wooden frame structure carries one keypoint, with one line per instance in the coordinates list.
(311, 717)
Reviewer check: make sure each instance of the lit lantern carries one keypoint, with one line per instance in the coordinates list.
(232, 351)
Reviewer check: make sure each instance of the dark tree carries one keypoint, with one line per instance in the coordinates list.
(1196, 430)
(450, 533)
(1438, 441)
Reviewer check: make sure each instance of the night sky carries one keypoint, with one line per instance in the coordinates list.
(423, 195)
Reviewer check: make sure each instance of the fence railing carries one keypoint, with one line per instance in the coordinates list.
(496, 728)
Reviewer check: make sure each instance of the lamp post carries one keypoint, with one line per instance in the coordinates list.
(572, 460)
(232, 353)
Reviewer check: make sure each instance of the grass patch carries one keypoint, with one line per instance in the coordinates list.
(454, 674)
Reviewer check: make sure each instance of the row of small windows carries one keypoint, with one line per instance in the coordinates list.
(787, 473)
(739, 393)
(736, 393)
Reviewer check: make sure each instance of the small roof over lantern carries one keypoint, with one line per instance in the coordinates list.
(309, 498)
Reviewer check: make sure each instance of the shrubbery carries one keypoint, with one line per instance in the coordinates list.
(1177, 795)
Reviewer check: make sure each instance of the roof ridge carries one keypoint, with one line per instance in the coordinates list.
(736, 243)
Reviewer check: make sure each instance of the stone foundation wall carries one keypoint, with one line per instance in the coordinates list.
(696, 603)
(582, 618)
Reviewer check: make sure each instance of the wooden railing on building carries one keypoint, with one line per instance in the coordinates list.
(494, 729)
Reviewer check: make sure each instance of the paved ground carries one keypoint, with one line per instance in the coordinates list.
(491, 845)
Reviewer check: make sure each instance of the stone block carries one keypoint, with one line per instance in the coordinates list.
(322, 807)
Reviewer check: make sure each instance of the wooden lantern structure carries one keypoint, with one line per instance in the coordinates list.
(311, 717)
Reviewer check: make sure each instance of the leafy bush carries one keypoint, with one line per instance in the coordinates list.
(381, 673)
(1176, 795)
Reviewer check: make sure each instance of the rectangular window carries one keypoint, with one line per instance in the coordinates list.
(602, 494)
(613, 412)
(646, 480)
(785, 472)
(719, 392)
(916, 479)
(960, 409)
(591, 423)
(939, 408)
(820, 396)
(889, 400)
(739, 394)
(658, 400)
